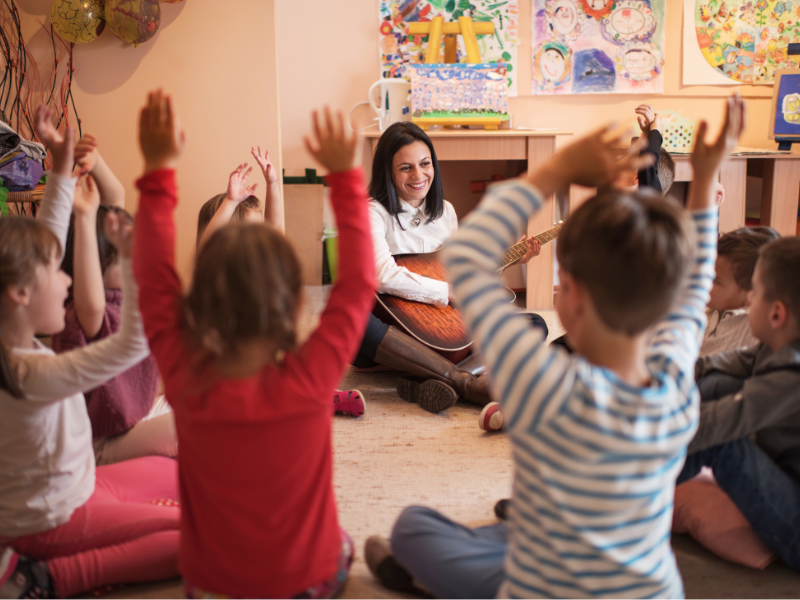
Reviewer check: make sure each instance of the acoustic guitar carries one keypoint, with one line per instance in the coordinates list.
(441, 329)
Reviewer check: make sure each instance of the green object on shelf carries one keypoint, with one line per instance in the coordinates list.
(3, 205)
(310, 177)
(330, 237)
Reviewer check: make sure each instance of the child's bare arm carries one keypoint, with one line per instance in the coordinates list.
(87, 290)
(89, 160)
(273, 206)
(708, 158)
(238, 192)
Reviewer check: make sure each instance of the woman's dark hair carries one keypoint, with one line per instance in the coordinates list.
(107, 252)
(381, 188)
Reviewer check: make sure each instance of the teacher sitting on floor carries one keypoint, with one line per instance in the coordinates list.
(409, 215)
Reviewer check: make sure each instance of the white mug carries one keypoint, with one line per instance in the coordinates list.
(394, 102)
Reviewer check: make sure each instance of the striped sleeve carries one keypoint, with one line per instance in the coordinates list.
(677, 338)
(530, 380)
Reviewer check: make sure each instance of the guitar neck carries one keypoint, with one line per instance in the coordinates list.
(517, 251)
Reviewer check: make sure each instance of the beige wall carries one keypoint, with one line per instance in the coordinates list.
(333, 57)
(220, 65)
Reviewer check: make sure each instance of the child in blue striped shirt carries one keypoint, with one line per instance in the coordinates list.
(599, 436)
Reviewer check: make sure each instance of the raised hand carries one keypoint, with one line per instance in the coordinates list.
(87, 196)
(708, 158)
(60, 147)
(270, 174)
(592, 161)
(161, 136)
(332, 146)
(86, 153)
(646, 116)
(119, 231)
(238, 190)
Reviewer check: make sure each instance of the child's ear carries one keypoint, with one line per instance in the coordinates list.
(20, 295)
(778, 315)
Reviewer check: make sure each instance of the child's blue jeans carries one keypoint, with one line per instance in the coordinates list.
(768, 497)
(450, 560)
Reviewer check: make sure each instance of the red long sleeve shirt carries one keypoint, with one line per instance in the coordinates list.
(258, 509)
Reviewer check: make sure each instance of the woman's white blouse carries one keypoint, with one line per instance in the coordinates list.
(416, 237)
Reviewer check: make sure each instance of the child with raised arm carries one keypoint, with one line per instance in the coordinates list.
(599, 436)
(239, 204)
(75, 527)
(128, 419)
(241, 386)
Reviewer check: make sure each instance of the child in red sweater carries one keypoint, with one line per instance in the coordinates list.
(241, 386)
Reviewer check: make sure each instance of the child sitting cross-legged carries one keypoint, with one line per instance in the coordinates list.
(75, 527)
(128, 419)
(600, 435)
(252, 406)
(238, 204)
(749, 433)
(728, 325)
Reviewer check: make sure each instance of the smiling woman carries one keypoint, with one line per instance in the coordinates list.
(409, 215)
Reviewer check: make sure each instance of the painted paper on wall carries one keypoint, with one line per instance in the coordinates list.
(399, 50)
(459, 91)
(598, 46)
(738, 41)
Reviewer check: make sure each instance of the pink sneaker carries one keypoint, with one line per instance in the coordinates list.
(350, 403)
(491, 418)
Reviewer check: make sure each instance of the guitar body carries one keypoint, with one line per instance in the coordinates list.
(441, 329)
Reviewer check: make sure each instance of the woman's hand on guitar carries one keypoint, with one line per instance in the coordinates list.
(534, 248)
(332, 146)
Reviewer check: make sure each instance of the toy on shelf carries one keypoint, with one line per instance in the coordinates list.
(678, 133)
(450, 93)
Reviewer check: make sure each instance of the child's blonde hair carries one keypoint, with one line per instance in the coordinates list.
(25, 244)
(632, 251)
(247, 284)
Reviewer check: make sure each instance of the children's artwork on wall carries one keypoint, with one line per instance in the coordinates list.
(728, 42)
(447, 91)
(785, 118)
(399, 50)
(598, 46)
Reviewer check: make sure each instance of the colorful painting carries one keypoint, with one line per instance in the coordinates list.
(459, 91)
(745, 40)
(787, 106)
(598, 46)
(399, 50)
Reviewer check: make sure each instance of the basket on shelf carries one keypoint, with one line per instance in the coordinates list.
(678, 133)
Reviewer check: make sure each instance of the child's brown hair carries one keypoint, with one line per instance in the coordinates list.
(779, 266)
(632, 252)
(247, 284)
(666, 170)
(741, 247)
(107, 252)
(25, 244)
(209, 209)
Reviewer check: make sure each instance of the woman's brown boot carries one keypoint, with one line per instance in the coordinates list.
(437, 383)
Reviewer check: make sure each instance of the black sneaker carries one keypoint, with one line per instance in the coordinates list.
(381, 563)
(30, 579)
(431, 394)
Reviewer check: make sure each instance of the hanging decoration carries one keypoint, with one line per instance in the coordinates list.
(133, 21)
(78, 21)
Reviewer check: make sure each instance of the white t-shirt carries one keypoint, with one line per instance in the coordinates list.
(416, 237)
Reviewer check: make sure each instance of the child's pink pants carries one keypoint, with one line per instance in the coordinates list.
(126, 532)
